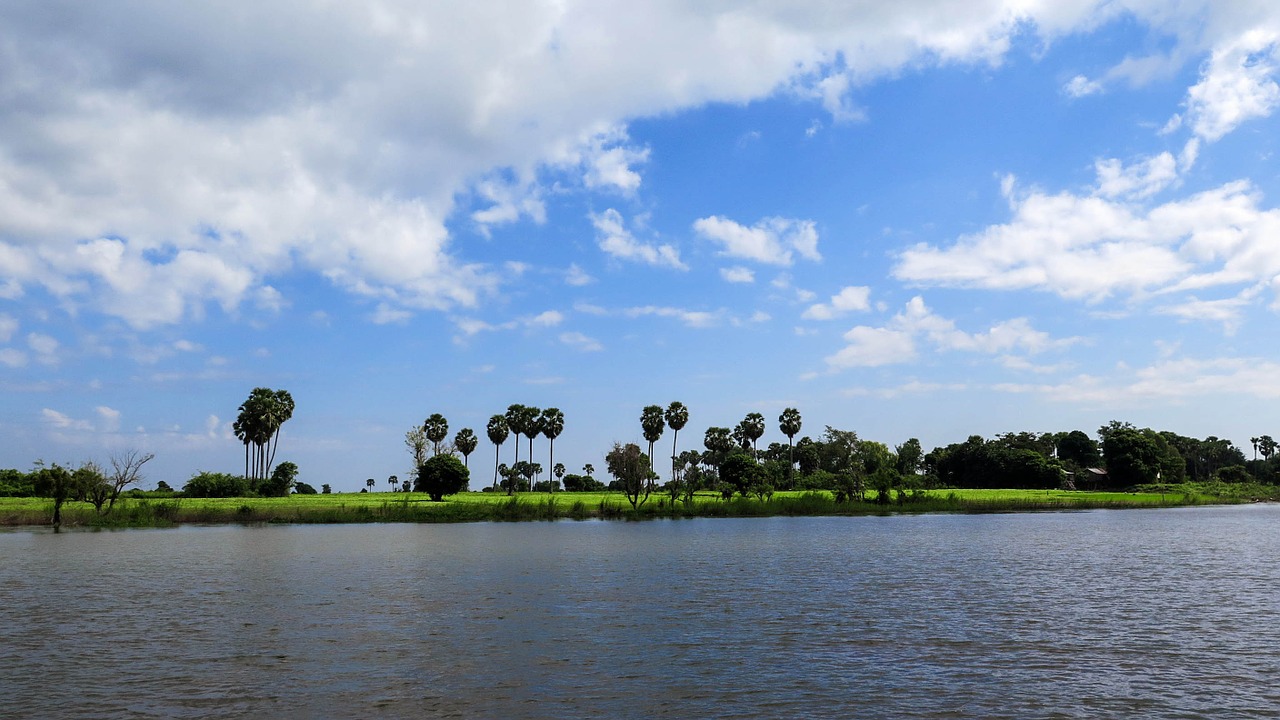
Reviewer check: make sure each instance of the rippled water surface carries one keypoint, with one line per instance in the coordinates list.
(1168, 613)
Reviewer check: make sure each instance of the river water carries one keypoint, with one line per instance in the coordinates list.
(1163, 613)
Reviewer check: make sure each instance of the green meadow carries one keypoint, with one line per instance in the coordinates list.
(162, 510)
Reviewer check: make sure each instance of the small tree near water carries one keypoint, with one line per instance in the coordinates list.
(442, 475)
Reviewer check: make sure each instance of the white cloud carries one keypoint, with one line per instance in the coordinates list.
(615, 239)
(897, 341)
(580, 341)
(8, 326)
(109, 418)
(59, 421)
(1137, 181)
(691, 318)
(738, 274)
(850, 299)
(45, 348)
(577, 277)
(12, 358)
(548, 318)
(1081, 86)
(1236, 85)
(186, 346)
(1168, 380)
(160, 163)
(1093, 247)
(771, 241)
(385, 314)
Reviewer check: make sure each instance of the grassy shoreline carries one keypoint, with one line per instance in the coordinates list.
(490, 507)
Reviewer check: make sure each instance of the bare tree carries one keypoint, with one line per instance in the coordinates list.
(126, 470)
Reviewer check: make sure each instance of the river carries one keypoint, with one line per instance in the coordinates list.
(1121, 614)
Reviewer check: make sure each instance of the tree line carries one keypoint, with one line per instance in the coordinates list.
(730, 461)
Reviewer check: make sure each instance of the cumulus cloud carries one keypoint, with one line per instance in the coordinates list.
(615, 239)
(1236, 85)
(159, 164)
(772, 241)
(898, 340)
(8, 326)
(1090, 247)
(850, 299)
(738, 274)
(577, 277)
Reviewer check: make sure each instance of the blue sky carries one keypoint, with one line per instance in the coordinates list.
(918, 219)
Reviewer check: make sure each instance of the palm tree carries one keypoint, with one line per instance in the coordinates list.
(789, 423)
(589, 470)
(515, 423)
(531, 426)
(497, 430)
(652, 422)
(393, 481)
(753, 428)
(677, 416)
(466, 442)
(552, 426)
(259, 423)
(1254, 440)
(437, 429)
(370, 483)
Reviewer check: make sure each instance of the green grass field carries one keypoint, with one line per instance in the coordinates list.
(480, 507)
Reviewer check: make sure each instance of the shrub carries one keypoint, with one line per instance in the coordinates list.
(211, 484)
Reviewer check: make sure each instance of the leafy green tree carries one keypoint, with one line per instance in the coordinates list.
(302, 488)
(325, 489)
(552, 426)
(281, 481)
(632, 469)
(789, 422)
(1137, 457)
(442, 475)
(497, 430)
(677, 416)
(741, 472)
(436, 428)
(212, 484)
(719, 444)
(53, 481)
(1079, 451)
(466, 441)
(910, 457)
(652, 423)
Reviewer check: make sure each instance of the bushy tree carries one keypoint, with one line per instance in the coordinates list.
(631, 468)
(281, 481)
(212, 484)
(302, 488)
(442, 475)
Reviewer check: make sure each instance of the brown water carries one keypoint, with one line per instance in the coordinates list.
(1169, 613)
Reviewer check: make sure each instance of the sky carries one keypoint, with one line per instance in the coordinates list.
(914, 219)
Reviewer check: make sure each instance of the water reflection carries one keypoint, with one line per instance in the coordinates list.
(1098, 614)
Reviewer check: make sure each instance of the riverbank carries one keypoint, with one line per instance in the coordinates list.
(157, 510)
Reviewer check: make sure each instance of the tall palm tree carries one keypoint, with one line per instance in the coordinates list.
(370, 483)
(393, 481)
(677, 416)
(258, 422)
(531, 426)
(789, 423)
(515, 423)
(466, 442)
(1254, 440)
(652, 423)
(552, 426)
(497, 430)
(437, 429)
(753, 428)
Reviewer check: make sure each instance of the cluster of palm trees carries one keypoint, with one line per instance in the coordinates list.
(530, 422)
(258, 424)
(1264, 444)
